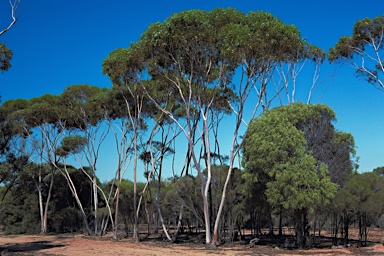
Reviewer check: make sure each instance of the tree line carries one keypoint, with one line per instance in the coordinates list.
(182, 79)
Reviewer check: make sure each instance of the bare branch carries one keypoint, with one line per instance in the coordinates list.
(15, 17)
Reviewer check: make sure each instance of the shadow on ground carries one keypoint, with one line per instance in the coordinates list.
(27, 248)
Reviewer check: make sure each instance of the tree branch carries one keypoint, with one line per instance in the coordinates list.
(14, 6)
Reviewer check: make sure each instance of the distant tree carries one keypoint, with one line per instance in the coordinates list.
(185, 191)
(370, 206)
(360, 201)
(363, 50)
(379, 171)
(41, 119)
(126, 211)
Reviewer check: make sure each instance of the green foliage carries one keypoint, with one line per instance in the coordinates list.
(84, 105)
(123, 65)
(195, 50)
(43, 110)
(365, 32)
(300, 185)
(126, 212)
(364, 46)
(5, 57)
(363, 192)
(66, 220)
(20, 214)
(185, 191)
(276, 144)
(71, 144)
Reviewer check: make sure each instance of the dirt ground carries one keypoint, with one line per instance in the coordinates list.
(82, 245)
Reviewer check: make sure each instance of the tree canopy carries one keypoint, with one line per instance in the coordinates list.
(364, 50)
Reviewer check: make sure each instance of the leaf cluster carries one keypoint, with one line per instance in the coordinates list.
(5, 57)
(365, 32)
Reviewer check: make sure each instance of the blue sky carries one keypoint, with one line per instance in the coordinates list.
(61, 43)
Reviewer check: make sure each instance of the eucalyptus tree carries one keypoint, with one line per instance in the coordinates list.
(86, 110)
(277, 145)
(188, 68)
(9, 132)
(42, 117)
(35, 121)
(191, 59)
(363, 50)
(43, 122)
(124, 67)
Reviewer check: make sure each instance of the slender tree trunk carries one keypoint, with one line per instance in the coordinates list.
(360, 231)
(136, 236)
(270, 222)
(314, 229)
(197, 225)
(161, 218)
(104, 225)
(176, 234)
(365, 229)
(335, 228)
(207, 219)
(346, 228)
(75, 195)
(117, 204)
(205, 195)
(95, 204)
(41, 207)
(224, 192)
(45, 214)
(281, 221)
(204, 191)
(300, 227)
(147, 215)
